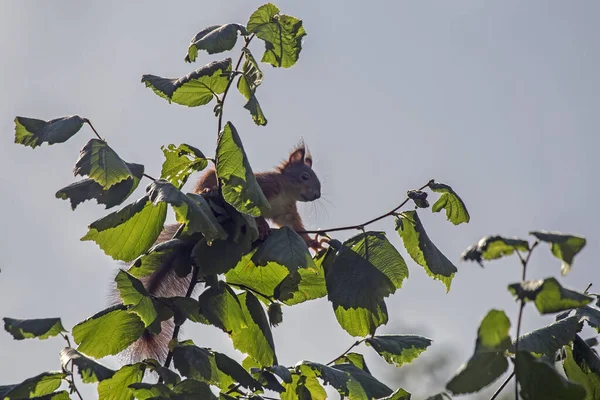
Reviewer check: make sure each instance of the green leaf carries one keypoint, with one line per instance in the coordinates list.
(42, 328)
(221, 307)
(117, 387)
(366, 270)
(547, 340)
(256, 338)
(342, 381)
(284, 247)
(235, 371)
(249, 80)
(440, 396)
(493, 247)
(88, 189)
(36, 386)
(306, 284)
(133, 294)
(549, 296)
(399, 349)
(173, 254)
(196, 88)
(214, 39)
(89, 370)
(488, 362)
(33, 132)
(282, 35)
(563, 246)
(355, 359)
(60, 395)
(305, 387)
(372, 387)
(108, 332)
(399, 394)
(129, 232)
(102, 164)
(263, 280)
(180, 162)
(239, 185)
(422, 250)
(194, 389)
(582, 366)
(191, 209)
(218, 257)
(148, 391)
(168, 377)
(456, 211)
(540, 380)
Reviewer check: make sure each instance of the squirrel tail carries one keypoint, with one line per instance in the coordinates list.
(164, 282)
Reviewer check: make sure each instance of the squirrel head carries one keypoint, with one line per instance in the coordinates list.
(297, 171)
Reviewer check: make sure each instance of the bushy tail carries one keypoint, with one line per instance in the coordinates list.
(164, 282)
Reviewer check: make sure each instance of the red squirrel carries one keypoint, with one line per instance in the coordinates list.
(292, 181)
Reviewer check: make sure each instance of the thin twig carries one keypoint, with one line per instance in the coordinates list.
(347, 351)
(361, 226)
(149, 177)
(87, 121)
(193, 282)
(244, 287)
(497, 392)
(237, 66)
(524, 262)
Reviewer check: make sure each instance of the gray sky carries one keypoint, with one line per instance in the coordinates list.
(497, 98)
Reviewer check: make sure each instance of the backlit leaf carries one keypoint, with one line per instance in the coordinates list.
(422, 250)
(133, 294)
(540, 380)
(214, 39)
(36, 386)
(563, 246)
(399, 349)
(549, 296)
(493, 247)
(456, 211)
(582, 366)
(101, 164)
(42, 328)
(117, 387)
(89, 370)
(248, 81)
(547, 340)
(180, 162)
(196, 88)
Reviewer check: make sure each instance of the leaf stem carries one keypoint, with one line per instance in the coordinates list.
(497, 392)
(524, 262)
(149, 177)
(347, 351)
(87, 121)
(193, 281)
(237, 66)
(244, 287)
(361, 226)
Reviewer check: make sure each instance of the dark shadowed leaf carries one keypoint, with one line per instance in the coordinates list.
(33, 132)
(275, 314)
(456, 211)
(221, 307)
(191, 209)
(493, 247)
(540, 380)
(440, 396)
(399, 349)
(563, 246)
(256, 338)
(248, 81)
(89, 370)
(134, 295)
(148, 391)
(218, 257)
(282, 35)
(549, 296)
(87, 189)
(547, 340)
(285, 247)
(108, 332)
(399, 394)
(129, 232)
(582, 366)
(180, 162)
(196, 88)
(42, 328)
(488, 362)
(239, 185)
(591, 315)
(214, 39)
(366, 270)
(117, 387)
(422, 250)
(102, 164)
(169, 377)
(36, 386)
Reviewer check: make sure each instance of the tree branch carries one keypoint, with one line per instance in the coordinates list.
(361, 226)
(497, 392)
(347, 351)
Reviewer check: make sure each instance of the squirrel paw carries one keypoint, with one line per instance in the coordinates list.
(210, 189)
(263, 228)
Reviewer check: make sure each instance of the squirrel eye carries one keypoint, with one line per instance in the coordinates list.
(305, 176)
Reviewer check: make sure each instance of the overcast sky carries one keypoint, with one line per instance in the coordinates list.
(499, 99)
